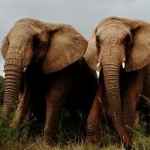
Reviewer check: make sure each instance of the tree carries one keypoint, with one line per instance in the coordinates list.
(1, 89)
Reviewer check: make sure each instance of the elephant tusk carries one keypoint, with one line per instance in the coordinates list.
(123, 64)
(98, 65)
(98, 74)
(25, 69)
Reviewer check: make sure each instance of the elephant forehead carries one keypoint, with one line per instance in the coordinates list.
(112, 43)
(115, 22)
(29, 27)
(112, 27)
(112, 40)
(111, 23)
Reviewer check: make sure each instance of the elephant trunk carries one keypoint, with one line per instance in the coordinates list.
(111, 79)
(111, 71)
(13, 73)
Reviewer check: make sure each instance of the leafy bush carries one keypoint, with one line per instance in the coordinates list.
(7, 134)
(9, 137)
(13, 139)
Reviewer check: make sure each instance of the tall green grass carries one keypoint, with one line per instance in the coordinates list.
(9, 138)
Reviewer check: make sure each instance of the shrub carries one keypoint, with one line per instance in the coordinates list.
(1, 90)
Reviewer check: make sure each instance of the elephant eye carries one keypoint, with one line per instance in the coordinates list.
(36, 42)
(128, 39)
(98, 44)
(97, 39)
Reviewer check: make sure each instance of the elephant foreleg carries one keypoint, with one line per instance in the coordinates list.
(53, 110)
(131, 99)
(93, 128)
(54, 101)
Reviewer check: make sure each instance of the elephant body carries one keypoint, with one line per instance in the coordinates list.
(72, 88)
(45, 71)
(119, 49)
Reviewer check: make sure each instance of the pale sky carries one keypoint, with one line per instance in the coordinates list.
(84, 15)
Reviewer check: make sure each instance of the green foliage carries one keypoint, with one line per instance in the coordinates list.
(9, 137)
(67, 128)
(1, 89)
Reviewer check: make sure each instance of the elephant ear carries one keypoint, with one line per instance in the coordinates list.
(4, 48)
(91, 55)
(66, 47)
(140, 53)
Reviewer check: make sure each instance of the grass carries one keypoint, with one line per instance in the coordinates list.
(9, 139)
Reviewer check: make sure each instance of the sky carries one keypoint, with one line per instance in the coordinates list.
(84, 15)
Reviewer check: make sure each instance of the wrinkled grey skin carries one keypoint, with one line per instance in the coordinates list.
(35, 52)
(120, 49)
(55, 46)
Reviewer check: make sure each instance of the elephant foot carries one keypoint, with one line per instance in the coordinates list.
(93, 133)
(50, 139)
(92, 141)
(124, 136)
(91, 144)
(128, 148)
(127, 142)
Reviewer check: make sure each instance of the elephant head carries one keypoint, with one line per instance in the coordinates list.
(115, 43)
(55, 46)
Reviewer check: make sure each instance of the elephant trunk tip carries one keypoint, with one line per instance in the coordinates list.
(8, 108)
(7, 112)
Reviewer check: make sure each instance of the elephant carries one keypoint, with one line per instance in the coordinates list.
(77, 84)
(45, 71)
(119, 49)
